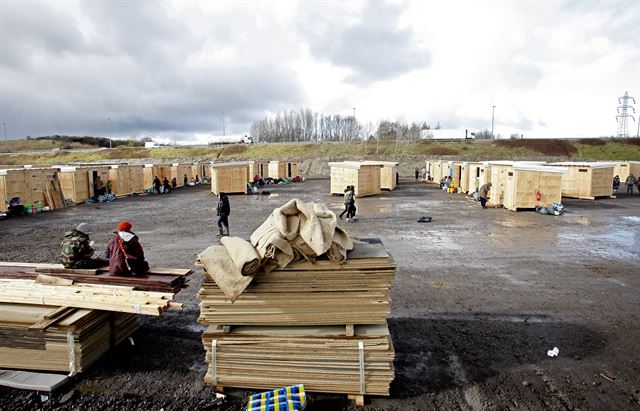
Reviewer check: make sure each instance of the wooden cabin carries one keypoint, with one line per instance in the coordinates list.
(36, 180)
(435, 170)
(525, 183)
(13, 184)
(587, 180)
(283, 169)
(499, 174)
(484, 171)
(179, 170)
(473, 179)
(136, 178)
(147, 176)
(464, 177)
(624, 168)
(388, 170)
(364, 177)
(76, 183)
(259, 168)
(120, 180)
(229, 177)
(454, 170)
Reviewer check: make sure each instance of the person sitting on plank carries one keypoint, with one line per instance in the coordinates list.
(125, 253)
(77, 249)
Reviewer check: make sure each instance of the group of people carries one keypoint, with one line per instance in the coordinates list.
(163, 187)
(124, 254)
(349, 203)
(630, 182)
(100, 188)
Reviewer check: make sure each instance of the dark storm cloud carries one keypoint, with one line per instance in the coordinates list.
(128, 62)
(375, 48)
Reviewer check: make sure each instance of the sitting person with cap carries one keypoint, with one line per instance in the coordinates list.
(77, 249)
(125, 253)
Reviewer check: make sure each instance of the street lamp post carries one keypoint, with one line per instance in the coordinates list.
(109, 126)
(4, 126)
(223, 131)
(493, 111)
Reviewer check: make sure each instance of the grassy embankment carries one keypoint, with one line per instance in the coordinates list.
(594, 149)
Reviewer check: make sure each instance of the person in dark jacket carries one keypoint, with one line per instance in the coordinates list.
(77, 249)
(185, 181)
(483, 193)
(156, 184)
(348, 195)
(223, 211)
(616, 184)
(631, 182)
(174, 183)
(351, 212)
(125, 253)
(165, 185)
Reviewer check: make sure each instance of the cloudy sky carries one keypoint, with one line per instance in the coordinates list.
(170, 69)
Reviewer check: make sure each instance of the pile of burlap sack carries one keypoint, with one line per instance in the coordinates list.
(294, 232)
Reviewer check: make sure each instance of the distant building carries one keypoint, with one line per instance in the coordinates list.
(150, 144)
(448, 134)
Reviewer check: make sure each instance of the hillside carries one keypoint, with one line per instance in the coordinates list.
(591, 149)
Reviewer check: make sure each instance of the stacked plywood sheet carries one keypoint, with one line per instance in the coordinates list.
(304, 293)
(316, 323)
(49, 338)
(321, 358)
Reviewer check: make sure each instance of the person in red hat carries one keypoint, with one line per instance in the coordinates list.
(125, 253)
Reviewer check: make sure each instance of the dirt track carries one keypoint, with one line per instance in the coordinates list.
(479, 298)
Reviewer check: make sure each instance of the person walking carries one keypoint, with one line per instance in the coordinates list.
(223, 211)
(348, 195)
(185, 181)
(165, 185)
(482, 193)
(156, 184)
(351, 213)
(417, 173)
(125, 254)
(630, 181)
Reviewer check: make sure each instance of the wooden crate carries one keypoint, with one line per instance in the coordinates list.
(388, 170)
(120, 180)
(499, 174)
(624, 168)
(364, 177)
(587, 180)
(436, 169)
(473, 179)
(76, 183)
(525, 182)
(229, 177)
(12, 184)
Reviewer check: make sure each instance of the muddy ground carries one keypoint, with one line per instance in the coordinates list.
(479, 298)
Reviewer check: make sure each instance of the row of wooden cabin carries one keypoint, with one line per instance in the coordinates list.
(520, 185)
(368, 177)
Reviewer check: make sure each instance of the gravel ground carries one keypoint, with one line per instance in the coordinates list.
(479, 298)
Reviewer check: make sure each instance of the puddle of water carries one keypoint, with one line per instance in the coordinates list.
(635, 219)
(587, 221)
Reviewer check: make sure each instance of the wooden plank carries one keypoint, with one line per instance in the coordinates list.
(52, 318)
(49, 280)
(34, 381)
(83, 271)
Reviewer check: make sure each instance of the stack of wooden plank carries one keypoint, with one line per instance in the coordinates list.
(49, 338)
(321, 358)
(53, 193)
(167, 280)
(305, 293)
(91, 296)
(304, 325)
